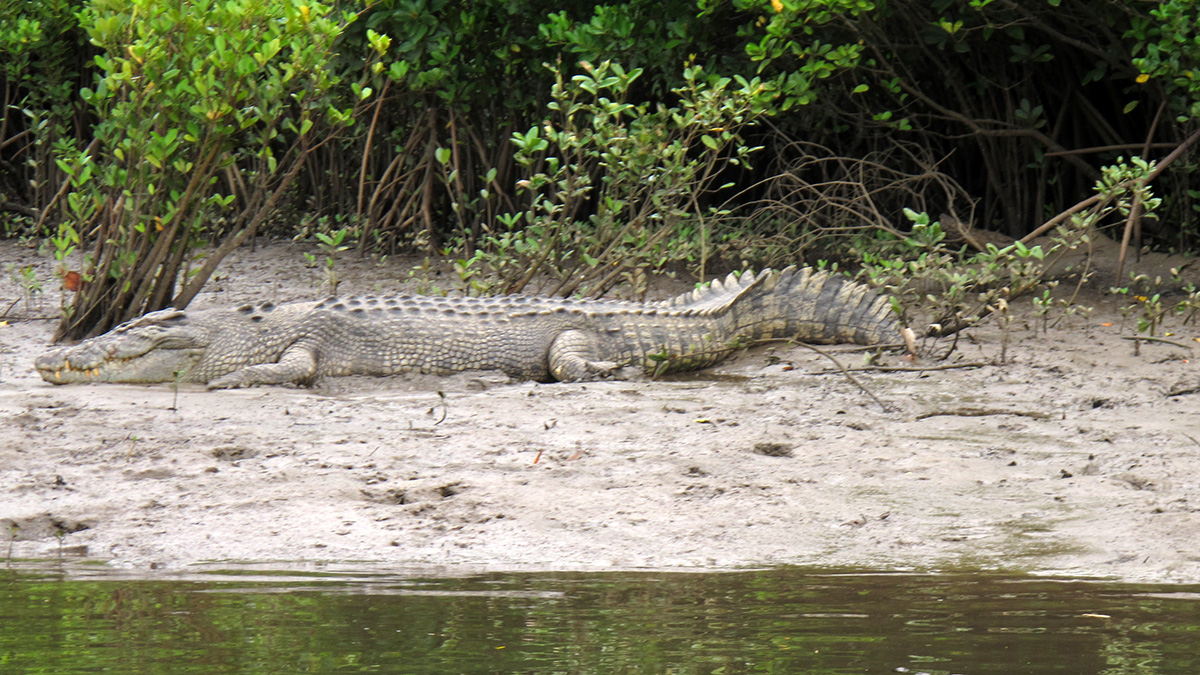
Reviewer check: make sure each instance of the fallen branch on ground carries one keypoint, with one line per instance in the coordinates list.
(982, 412)
(1143, 338)
(905, 369)
(850, 377)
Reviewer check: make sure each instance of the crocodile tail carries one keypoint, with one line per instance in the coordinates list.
(799, 303)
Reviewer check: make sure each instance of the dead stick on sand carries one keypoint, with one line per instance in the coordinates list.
(1143, 338)
(982, 412)
(905, 369)
(850, 377)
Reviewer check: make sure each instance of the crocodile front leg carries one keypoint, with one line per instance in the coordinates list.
(297, 365)
(572, 357)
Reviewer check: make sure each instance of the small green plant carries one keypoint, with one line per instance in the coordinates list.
(1068, 310)
(13, 530)
(331, 245)
(951, 287)
(1005, 319)
(176, 380)
(1123, 308)
(25, 277)
(1144, 299)
(60, 533)
(1152, 314)
(422, 276)
(1147, 304)
(1042, 304)
(1189, 308)
(471, 274)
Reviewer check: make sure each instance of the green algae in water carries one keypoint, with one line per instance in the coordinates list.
(66, 621)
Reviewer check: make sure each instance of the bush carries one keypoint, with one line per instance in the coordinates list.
(41, 54)
(614, 189)
(203, 108)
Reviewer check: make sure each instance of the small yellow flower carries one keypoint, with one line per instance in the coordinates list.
(777, 5)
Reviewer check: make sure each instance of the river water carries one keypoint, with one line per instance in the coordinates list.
(64, 618)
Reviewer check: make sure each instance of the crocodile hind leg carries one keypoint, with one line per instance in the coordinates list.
(297, 365)
(571, 358)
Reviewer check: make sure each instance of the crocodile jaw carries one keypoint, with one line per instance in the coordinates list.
(158, 347)
(89, 363)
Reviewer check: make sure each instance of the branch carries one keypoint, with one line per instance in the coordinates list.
(1098, 198)
(193, 287)
(1144, 147)
(846, 373)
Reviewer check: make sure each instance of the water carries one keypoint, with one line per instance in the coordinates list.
(80, 619)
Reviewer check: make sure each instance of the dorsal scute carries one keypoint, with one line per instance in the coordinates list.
(157, 318)
(718, 294)
(707, 299)
(252, 307)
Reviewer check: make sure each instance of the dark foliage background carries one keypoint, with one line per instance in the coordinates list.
(395, 121)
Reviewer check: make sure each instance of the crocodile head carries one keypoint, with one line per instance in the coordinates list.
(157, 347)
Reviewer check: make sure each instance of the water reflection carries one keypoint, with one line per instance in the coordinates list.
(251, 620)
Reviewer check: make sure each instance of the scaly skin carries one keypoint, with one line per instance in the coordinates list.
(526, 337)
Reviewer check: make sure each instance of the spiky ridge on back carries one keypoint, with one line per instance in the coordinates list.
(796, 303)
(716, 293)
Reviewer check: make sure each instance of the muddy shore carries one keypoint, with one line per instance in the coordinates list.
(1078, 455)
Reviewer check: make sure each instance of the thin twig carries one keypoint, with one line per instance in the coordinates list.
(10, 308)
(905, 369)
(1110, 148)
(982, 412)
(850, 377)
(1141, 338)
(26, 317)
(854, 349)
(445, 408)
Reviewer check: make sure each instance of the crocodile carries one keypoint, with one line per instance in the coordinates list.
(526, 337)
